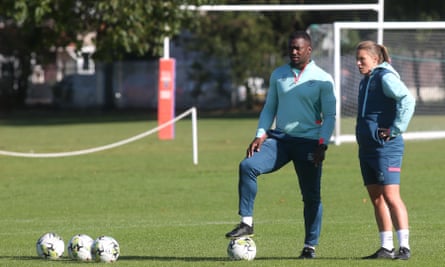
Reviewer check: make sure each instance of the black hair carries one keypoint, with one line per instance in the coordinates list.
(300, 34)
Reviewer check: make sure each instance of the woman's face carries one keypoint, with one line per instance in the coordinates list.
(366, 61)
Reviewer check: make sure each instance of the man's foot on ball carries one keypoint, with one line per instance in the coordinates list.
(240, 230)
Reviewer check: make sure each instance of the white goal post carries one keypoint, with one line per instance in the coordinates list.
(377, 7)
(338, 26)
(380, 25)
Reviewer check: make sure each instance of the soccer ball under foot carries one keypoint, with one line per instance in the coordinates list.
(243, 248)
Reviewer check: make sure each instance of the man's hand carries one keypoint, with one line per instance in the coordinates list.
(384, 133)
(319, 154)
(255, 145)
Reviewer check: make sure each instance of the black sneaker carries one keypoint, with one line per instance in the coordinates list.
(382, 253)
(240, 230)
(307, 253)
(404, 254)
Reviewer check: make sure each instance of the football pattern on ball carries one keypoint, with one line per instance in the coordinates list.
(243, 248)
(50, 246)
(105, 249)
(79, 247)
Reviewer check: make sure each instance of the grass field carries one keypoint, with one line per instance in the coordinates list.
(165, 211)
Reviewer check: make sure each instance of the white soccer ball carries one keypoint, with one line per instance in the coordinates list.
(105, 249)
(79, 247)
(243, 248)
(50, 246)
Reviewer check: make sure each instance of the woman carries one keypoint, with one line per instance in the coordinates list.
(384, 110)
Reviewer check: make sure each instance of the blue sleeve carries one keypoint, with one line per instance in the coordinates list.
(328, 110)
(394, 88)
(268, 112)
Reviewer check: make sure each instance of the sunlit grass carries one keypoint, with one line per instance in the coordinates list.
(165, 211)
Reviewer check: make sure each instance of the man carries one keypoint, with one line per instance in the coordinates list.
(301, 100)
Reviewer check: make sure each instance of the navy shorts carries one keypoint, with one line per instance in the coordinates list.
(381, 170)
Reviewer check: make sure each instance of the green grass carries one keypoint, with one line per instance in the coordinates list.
(165, 211)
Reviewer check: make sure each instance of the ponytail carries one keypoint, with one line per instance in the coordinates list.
(384, 54)
(376, 49)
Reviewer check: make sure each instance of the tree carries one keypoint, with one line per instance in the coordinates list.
(122, 27)
(250, 44)
(239, 42)
(246, 44)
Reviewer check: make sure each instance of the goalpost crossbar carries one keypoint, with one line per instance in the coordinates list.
(303, 7)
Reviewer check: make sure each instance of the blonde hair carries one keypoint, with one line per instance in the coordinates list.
(375, 49)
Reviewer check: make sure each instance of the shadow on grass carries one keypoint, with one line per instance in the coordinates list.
(29, 258)
(193, 259)
(183, 259)
(171, 258)
(213, 259)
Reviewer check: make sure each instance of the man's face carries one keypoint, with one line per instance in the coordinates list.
(299, 52)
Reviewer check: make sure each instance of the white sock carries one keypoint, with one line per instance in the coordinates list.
(403, 236)
(309, 246)
(386, 240)
(247, 220)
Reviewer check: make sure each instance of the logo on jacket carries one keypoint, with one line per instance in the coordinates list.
(311, 83)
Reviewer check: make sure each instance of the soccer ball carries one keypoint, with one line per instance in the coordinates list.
(242, 248)
(79, 247)
(50, 246)
(105, 249)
